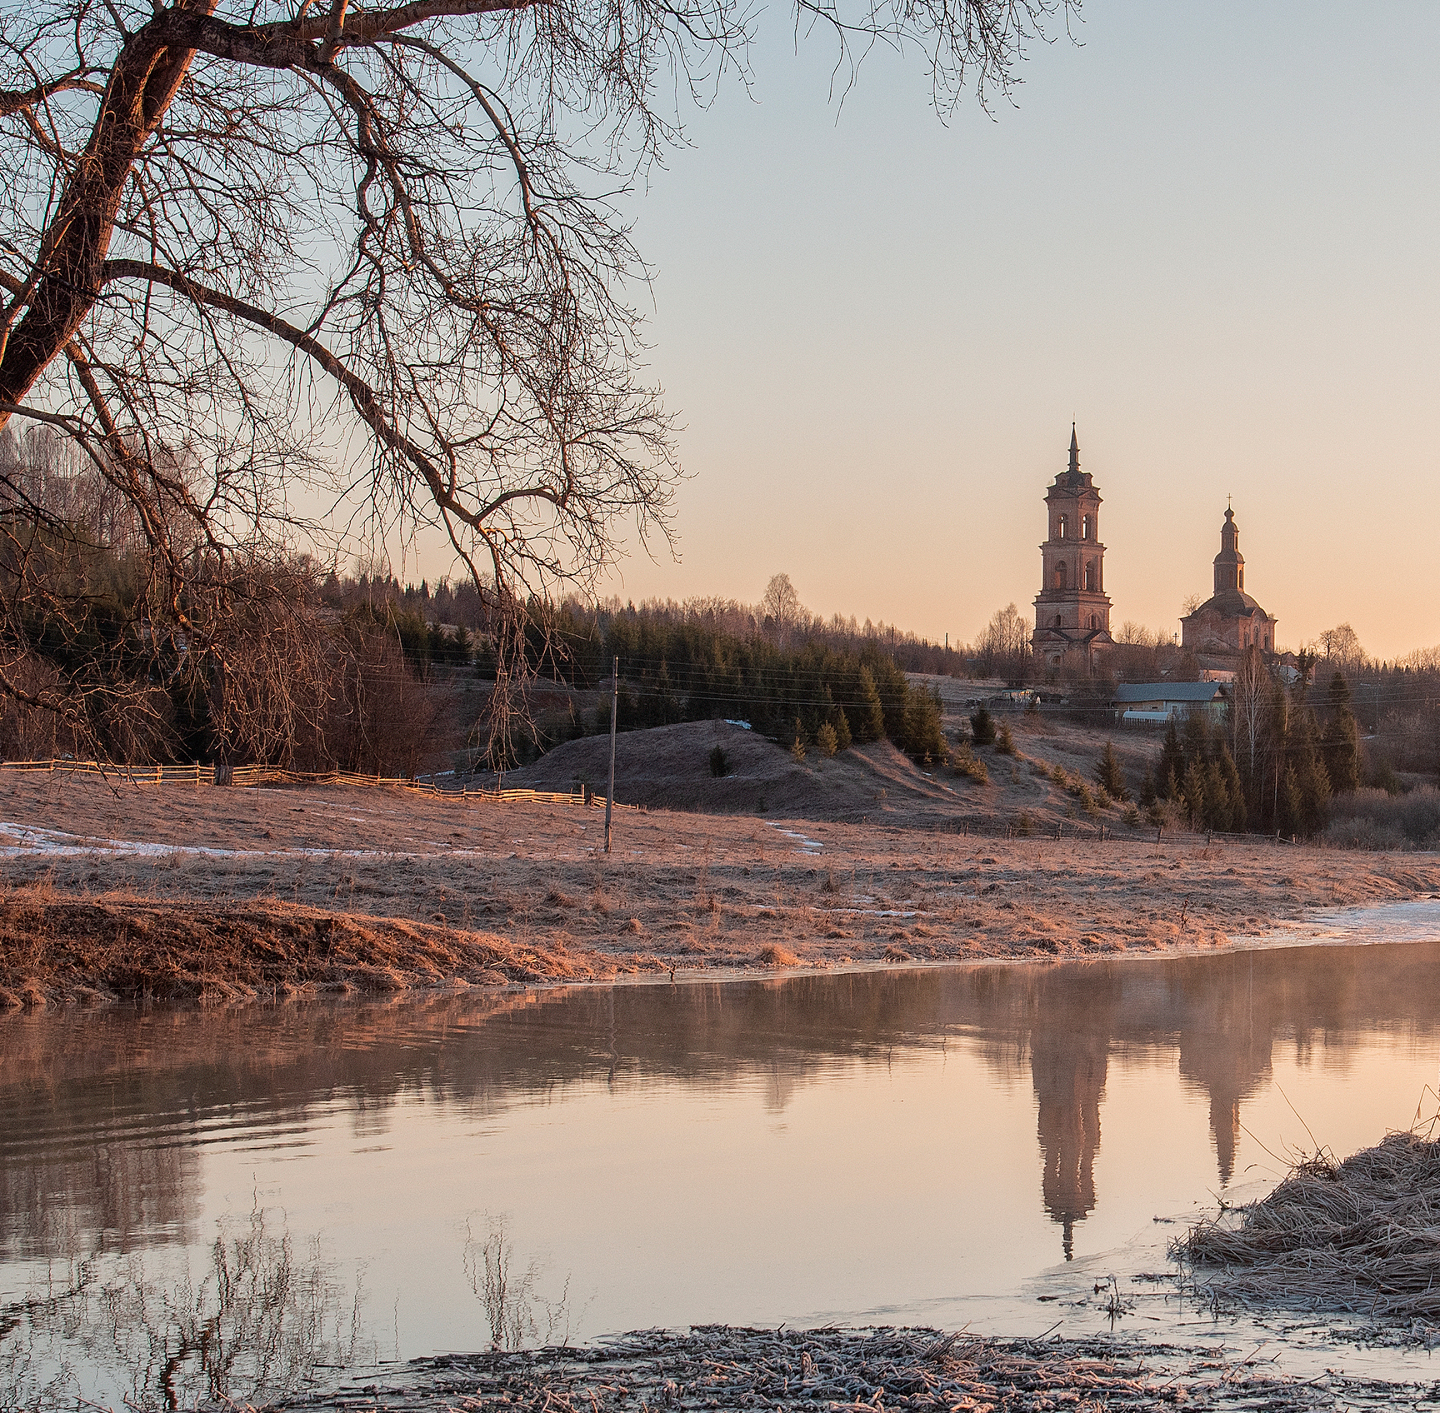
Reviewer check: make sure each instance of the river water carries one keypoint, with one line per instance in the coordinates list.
(320, 1184)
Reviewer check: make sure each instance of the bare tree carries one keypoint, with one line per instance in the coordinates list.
(1341, 646)
(1189, 604)
(1250, 694)
(236, 235)
(1004, 646)
(780, 607)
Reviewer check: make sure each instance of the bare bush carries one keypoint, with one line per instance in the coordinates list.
(1376, 819)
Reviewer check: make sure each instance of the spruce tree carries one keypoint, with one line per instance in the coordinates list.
(869, 723)
(1108, 774)
(1217, 799)
(1341, 740)
(1193, 792)
(841, 724)
(1147, 788)
(1171, 769)
(1234, 789)
(982, 728)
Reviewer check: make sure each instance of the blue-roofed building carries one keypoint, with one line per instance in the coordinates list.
(1169, 701)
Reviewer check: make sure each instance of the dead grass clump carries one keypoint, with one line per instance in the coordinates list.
(772, 954)
(632, 924)
(1354, 1236)
(558, 899)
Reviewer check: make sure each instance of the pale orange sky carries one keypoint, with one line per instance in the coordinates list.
(1206, 233)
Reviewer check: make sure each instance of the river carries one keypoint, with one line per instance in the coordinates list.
(319, 1184)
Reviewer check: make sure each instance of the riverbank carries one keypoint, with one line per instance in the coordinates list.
(214, 894)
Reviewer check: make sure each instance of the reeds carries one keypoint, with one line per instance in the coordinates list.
(1360, 1236)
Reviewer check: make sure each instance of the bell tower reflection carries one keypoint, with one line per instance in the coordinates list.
(1069, 1057)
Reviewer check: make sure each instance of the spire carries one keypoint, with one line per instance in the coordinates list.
(1074, 451)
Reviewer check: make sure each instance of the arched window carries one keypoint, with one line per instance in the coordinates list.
(1094, 620)
(1084, 527)
(1060, 575)
(1057, 620)
(1242, 577)
(1064, 525)
(1090, 577)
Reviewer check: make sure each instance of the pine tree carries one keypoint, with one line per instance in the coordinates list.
(1109, 776)
(842, 730)
(826, 741)
(1340, 743)
(982, 728)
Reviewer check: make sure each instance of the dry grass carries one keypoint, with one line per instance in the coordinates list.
(1360, 1236)
(54, 948)
(730, 1369)
(535, 877)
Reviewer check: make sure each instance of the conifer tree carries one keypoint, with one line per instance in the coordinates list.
(1341, 739)
(869, 723)
(1217, 798)
(982, 728)
(1193, 792)
(1147, 788)
(841, 724)
(1109, 776)
(1171, 769)
(1233, 789)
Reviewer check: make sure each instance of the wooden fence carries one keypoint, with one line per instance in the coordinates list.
(202, 776)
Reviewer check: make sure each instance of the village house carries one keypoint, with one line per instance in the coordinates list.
(1169, 701)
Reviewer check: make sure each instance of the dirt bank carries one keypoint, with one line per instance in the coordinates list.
(233, 885)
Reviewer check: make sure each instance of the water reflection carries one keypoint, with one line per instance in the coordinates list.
(257, 1321)
(105, 1118)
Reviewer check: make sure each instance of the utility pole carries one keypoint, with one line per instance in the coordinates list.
(614, 723)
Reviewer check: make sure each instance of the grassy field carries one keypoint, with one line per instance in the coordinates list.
(205, 893)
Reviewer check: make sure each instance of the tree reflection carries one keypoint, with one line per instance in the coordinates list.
(256, 1323)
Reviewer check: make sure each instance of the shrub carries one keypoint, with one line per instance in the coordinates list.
(1004, 741)
(1370, 818)
(1023, 827)
(719, 761)
(826, 741)
(982, 728)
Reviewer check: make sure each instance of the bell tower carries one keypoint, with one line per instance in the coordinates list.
(1229, 563)
(1072, 610)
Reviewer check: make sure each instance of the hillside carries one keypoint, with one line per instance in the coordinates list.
(668, 767)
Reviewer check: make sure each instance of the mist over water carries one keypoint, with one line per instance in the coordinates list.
(230, 1203)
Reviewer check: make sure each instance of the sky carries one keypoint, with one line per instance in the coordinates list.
(1204, 232)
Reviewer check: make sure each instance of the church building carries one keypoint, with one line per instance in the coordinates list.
(1072, 611)
(1230, 620)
